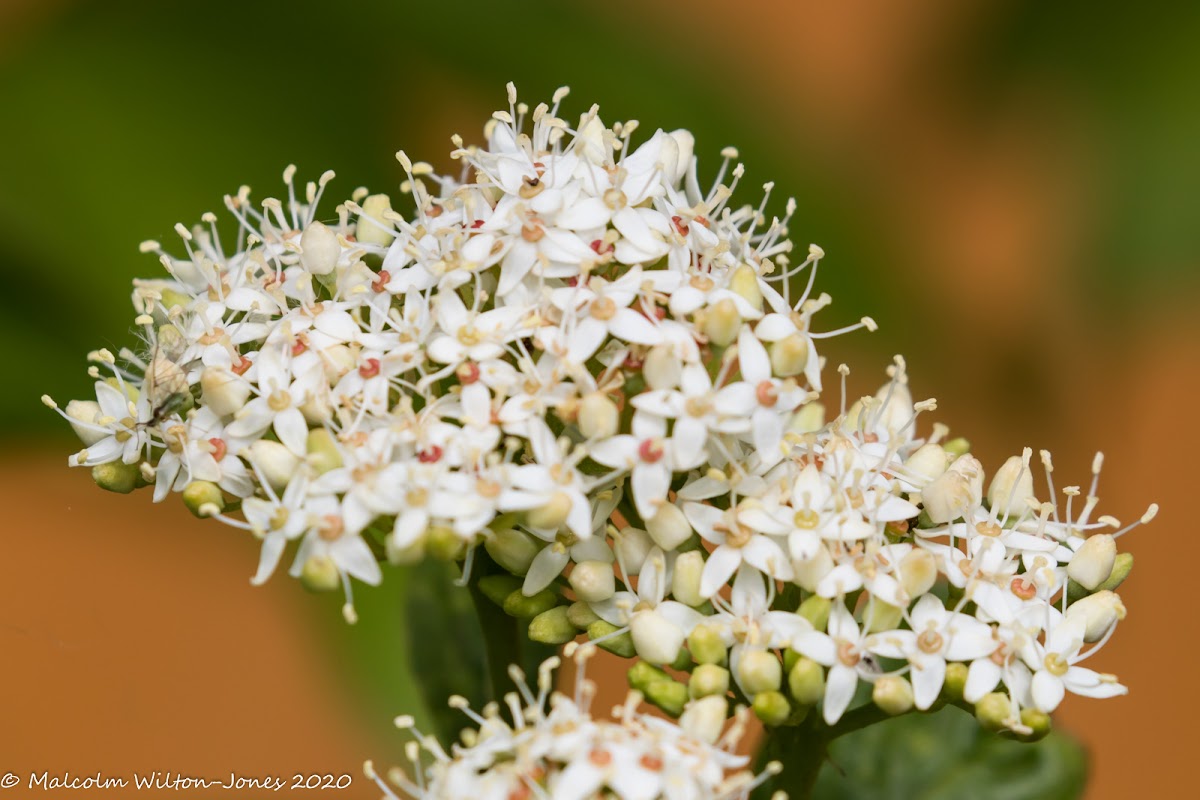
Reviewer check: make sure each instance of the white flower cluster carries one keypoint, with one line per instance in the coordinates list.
(576, 357)
(555, 749)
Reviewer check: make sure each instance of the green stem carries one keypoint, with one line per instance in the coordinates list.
(502, 634)
(801, 750)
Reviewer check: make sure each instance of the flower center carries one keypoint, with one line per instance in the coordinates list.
(848, 654)
(766, 394)
(379, 285)
(370, 369)
(531, 187)
(279, 400)
(651, 450)
(430, 455)
(331, 527)
(930, 641)
(468, 373)
(469, 336)
(218, 448)
(603, 308)
(600, 758)
(532, 233)
(987, 528)
(1056, 664)
(1023, 588)
(697, 406)
(615, 199)
(806, 519)
(680, 225)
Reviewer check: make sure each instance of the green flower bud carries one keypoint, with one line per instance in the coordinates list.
(593, 581)
(893, 695)
(599, 417)
(1093, 562)
(772, 708)
(744, 283)
(954, 682)
(320, 574)
(581, 615)
(203, 498)
(790, 657)
(656, 638)
(620, 645)
(172, 298)
(668, 527)
(881, 616)
(721, 323)
(1120, 571)
(760, 671)
(512, 549)
(1039, 723)
(552, 515)
(444, 544)
(222, 391)
(956, 447)
(497, 588)
(683, 661)
(552, 627)
(366, 232)
(642, 674)
(323, 452)
(668, 695)
(806, 681)
(789, 356)
(685, 581)
(522, 607)
(708, 679)
(632, 546)
(918, 572)
(809, 418)
(706, 646)
(116, 476)
(816, 610)
(662, 368)
(993, 711)
(704, 719)
(411, 553)
(277, 463)
(809, 573)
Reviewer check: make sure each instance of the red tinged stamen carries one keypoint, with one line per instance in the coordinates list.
(381, 282)
(218, 448)
(432, 455)
(370, 369)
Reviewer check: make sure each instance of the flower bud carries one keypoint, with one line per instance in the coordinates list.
(918, 572)
(581, 615)
(669, 695)
(593, 581)
(789, 355)
(686, 145)
(203, 498)
(621, 644)
(744, 283)
(668, 527)
(552, 627)
(522, 607)
(708, 679)
(809, 418)
(276, 462)
(222, 391)
(685, 582)
(993, 711)
(1038, 722)
(655, 638)
(928, 462)
(1122, 566)
(759, 671)
(116, 476)
(1093, 562)
(316, 409)
(881, 616)
(497, 588)
(444, 544)
(632, 547)
(955, 681)
(704, 718)
(320, 574)
(893, 695)
(512, 549)
(662, 368)
(772, 708)
(893, 408)
(957, 447)
(816, 610)
(706, 645)
(722, 323)
(368, 232)
(1011, 489)
(954, 492)
(810, 572)
(806, 681)
(552, 515)
(319, 249)
(1098, 612)
(323, 452)
(87, 412)
(337, 360)
(598, 416)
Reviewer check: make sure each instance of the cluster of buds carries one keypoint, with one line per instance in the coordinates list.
(552, 746)
(606, 376)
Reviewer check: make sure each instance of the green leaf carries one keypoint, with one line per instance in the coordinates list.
(947, 756)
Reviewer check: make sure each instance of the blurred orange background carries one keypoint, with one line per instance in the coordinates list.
(1010, 191)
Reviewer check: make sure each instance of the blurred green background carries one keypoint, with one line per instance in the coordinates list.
(1010, 189)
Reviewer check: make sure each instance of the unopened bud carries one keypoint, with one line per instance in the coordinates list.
(759, 671)
(668, 695)
(581, 615)
(1122, 566)
(789, 355)
(621, 644)
(918, 572)
(993, 711)
(957, 447)
(512, 549)
(816, 610)
(632, 546)
(598, 416)
(772, 708)
(744, 283)
(955, 681)
(706, 645)
(954, 492)
(722, 323)
(668, 527)
(87, 412)
(223, 392)
(1098, 612)
(708, 679)
(1038, 723)
(656, 639)
(1011, 489)
(444, 544)
(704, 719)
(337, 360)
(809, 572)
(323, 452)
(497, 588)
(893, 695)
(1093, 562)
(552, 627)
(320, 574)
(412, 551)
(203, 498)
(806, 681)
(809, 418)
(881, 616)
(686, 144)
(522, 607)
(368, 232)
(319, 248)
(662, 368)
(893, 409)
(116, 476)
(593, 581)
(276, 462)
(685, 581)
(928, 462)
(552, 515)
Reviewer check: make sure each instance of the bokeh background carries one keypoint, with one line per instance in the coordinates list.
(1010, 188)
